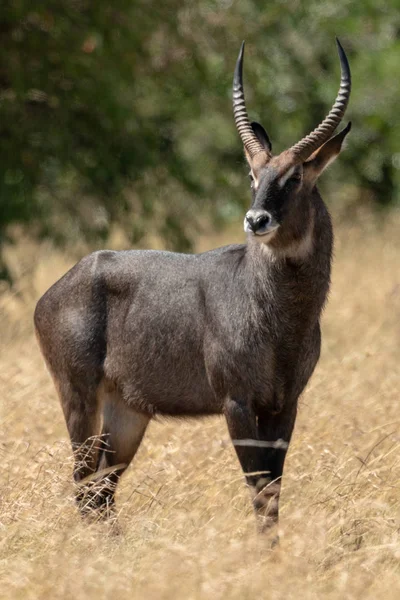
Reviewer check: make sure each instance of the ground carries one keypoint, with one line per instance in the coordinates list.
(186, 528)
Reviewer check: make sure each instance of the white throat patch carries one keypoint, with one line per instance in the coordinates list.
(298, 250)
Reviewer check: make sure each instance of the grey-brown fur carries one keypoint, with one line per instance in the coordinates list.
(234, 331)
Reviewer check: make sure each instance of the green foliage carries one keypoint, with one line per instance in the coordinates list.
(120, 112)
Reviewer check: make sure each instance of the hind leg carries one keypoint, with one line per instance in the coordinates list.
(123, 430)
(82, 415)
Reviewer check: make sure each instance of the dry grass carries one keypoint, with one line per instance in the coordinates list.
(186, 527)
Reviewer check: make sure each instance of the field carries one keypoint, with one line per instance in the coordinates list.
(186, 528)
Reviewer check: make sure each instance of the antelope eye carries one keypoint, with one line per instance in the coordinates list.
(251, 180)
(295, 178)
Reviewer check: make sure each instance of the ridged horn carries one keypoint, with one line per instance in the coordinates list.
(323, 132)
(248, 137)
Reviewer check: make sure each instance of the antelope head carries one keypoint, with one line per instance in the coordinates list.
(282, 184)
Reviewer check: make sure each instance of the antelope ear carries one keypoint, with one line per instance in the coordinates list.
(262, 135)
(325, 155)
(261, 158)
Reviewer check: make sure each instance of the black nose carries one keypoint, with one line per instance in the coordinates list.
(258, 220)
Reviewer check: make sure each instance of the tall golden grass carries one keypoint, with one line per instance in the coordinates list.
(186, 528)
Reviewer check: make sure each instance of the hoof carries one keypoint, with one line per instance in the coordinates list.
(95, 503)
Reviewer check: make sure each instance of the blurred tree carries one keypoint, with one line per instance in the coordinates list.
(120, 112)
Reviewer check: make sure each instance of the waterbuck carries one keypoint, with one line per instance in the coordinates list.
(236, 331)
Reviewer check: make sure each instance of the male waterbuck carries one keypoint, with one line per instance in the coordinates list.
(234, 331)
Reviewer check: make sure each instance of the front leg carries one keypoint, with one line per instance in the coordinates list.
(274, 434)
(261, 442)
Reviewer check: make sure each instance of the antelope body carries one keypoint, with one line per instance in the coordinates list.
(130, 335)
